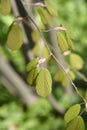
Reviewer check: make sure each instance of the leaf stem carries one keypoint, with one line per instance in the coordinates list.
(54, 29)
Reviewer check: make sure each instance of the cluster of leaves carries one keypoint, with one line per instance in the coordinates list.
(76, 62)
(68, 16)
(72, 118)
(40, 76)
(15, 41)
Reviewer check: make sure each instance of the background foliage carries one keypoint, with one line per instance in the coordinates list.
(41, 115)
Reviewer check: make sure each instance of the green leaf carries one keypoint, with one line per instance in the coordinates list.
(76, 61)
(5, 7)
(44, 83)
(60, 76)
(35, 36)
(32, 76)
(15, 37)
(76, 124)
(69, 40)
(62, 42)
(45, 17)
(64, 81)
(36, 49)
(72, 75)
(40, 50)
(32, 64)
(45, 52)
(51, 8)
(72, 113)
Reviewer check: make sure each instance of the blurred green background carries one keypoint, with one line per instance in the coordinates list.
(41, 115)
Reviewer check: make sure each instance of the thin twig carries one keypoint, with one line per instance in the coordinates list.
(68, 76)
(66, 71)
(54, 29)
(58, 62)
(36, 4)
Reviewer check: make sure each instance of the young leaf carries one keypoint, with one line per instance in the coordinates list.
(69, 40)
(72, 75)
(64, 82)
(76, 124)
(76, 61)
(45, 52)
(15, 37)
(62, 42)
(40, 50)
(51, 8)
(32, 64)
(36, 49)
(35, 36)
(60, 76)
(32, 76)
(72, 113)
(5, 7)
(45, 17)
(44, 83)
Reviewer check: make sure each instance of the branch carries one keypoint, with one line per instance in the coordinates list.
(13, 80)
(55, 104)
(82, 76)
